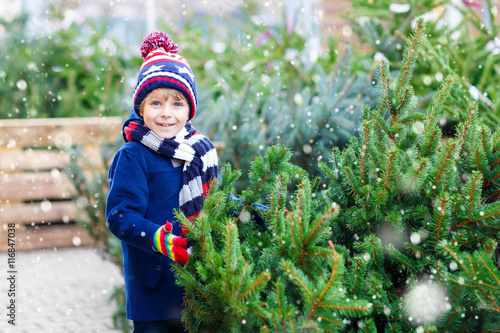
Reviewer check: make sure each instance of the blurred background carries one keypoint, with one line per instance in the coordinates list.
(291, 72)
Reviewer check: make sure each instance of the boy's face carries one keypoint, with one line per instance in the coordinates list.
(165, 114)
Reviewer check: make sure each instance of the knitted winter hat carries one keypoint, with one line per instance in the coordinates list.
(163, 68)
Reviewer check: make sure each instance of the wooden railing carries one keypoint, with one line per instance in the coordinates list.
(35, 192)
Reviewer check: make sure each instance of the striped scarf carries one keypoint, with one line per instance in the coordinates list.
(197, 152)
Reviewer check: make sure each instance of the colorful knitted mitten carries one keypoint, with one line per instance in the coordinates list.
(170, 245)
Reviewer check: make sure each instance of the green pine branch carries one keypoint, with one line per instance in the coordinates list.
(409, 58)
(476, 275)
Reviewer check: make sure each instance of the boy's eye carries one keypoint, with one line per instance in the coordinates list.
(156, 103)
(178, 104)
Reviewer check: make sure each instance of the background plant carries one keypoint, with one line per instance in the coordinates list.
(75, 71)
(461, 42)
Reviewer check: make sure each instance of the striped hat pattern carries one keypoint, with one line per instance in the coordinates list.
(164, 68)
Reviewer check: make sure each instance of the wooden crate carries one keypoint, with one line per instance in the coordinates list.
(35, 192)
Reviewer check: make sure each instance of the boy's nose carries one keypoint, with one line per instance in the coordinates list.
(166, 112)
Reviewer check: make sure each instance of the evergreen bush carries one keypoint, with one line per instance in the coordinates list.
(75, 71)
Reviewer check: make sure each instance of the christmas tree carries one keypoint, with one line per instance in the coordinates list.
(420, 210)
(399, 236)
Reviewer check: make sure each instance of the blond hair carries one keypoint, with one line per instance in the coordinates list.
(161, 92)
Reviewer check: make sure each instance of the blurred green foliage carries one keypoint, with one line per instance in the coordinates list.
(462, 41)
(76, 71)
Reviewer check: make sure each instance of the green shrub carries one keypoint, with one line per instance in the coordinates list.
(73, 72)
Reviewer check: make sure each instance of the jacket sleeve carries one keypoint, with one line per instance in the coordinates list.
(128, 201)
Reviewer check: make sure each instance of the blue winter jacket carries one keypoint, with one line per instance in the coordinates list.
(143, 193)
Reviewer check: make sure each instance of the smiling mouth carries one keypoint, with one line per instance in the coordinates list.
(164, 125)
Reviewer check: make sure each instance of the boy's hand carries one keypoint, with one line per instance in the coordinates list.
(170, 245)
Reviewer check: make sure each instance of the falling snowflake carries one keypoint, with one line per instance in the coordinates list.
(245, 217)
(426, 302)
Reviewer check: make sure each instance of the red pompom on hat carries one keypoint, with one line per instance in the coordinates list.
(164, 68)
(156, 40)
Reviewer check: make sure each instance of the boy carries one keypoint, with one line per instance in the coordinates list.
(164, 165)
